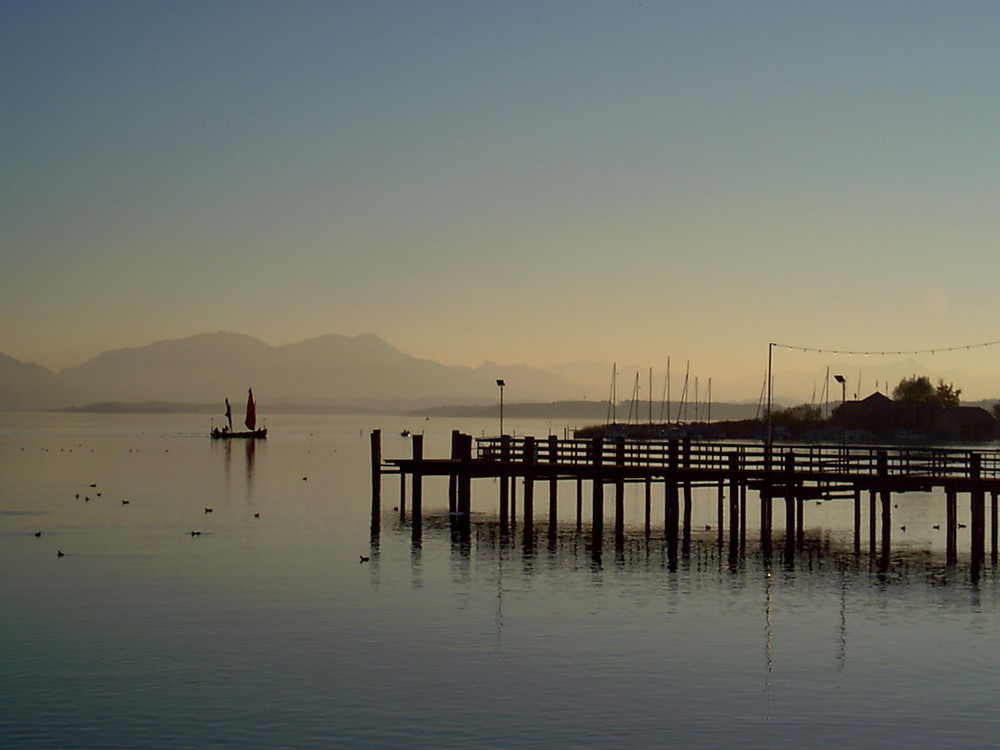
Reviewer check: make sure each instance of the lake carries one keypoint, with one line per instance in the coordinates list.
(264, 628)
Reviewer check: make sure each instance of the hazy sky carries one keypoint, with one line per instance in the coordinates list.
(528, 182)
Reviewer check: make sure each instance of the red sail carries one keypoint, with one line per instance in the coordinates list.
(251, 421)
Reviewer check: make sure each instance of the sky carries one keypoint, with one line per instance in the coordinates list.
(522, 182)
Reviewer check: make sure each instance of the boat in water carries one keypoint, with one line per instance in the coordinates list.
(252, 432)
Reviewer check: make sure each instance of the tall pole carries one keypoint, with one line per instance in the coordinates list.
(770, 356)
(501, 384)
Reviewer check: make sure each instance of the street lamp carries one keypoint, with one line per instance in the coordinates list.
(501, 384)
(843, 403)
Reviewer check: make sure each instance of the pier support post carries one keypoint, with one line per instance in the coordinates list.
(993, 525)
(857, 520)
(789, 497)
(671, 502)
(504, 484)
(619, 491)
(553, 485)
(872, 501)
(686, 521)
(529, 489)
(464, 445)
(417, 442)
(579, 503)
(376, 449)
(453, 477)
(977, 511)
(734, 498)
(951, 525)
(597, 497)
(885, 493)
(648, 504)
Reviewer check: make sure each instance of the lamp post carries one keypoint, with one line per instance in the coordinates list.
(501, 384)
(843, 404)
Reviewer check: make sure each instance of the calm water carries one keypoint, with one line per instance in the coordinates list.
(269, 632)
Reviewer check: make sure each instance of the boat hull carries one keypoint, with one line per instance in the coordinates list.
(260, 434)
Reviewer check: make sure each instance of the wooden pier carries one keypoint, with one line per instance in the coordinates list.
(792, 473)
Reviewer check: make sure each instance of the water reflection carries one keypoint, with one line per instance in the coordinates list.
(830, 555)
(249, 450)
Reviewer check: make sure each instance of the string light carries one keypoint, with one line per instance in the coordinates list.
(852, 352)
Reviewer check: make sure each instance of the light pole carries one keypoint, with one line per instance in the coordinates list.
(843, 404)
(501, 384)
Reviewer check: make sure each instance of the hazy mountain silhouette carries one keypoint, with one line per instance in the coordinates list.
(28, 386)
(327, 369)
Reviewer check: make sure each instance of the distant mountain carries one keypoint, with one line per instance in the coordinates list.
(27, 387)
(328, 369)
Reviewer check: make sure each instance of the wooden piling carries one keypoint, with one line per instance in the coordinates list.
(504, 483)
(529, 486)
(951, 525)
(464, 450)
(597, 497)
(376, 450)
(977, 509)
(417, 443)
(553, 485)
(619, 489)
(885, 495)
(734, 497)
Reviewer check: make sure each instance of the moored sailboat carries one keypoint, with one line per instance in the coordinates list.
(252, 432)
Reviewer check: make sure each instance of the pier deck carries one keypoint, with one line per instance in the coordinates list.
(791, 472)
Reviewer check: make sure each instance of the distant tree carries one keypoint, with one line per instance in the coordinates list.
(799, 418)
(918, 390)
(915, 390)
(947, 394)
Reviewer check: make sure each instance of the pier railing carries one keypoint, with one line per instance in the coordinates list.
(910, 462)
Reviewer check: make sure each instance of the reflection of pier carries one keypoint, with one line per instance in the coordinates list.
(793, 473)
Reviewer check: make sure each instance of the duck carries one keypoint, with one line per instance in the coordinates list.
(60, 553)
(209, 510)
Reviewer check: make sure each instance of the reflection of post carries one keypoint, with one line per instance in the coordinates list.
(251, 454)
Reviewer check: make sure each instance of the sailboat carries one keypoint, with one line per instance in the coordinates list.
(252, 432)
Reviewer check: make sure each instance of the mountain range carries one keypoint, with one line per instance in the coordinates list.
(364, 373)
(360, 371)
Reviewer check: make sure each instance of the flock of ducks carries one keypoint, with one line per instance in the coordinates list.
(86, 499)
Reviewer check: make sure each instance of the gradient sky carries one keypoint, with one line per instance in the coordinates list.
(526, 182)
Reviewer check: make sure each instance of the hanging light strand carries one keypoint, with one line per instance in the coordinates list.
(851, 352)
